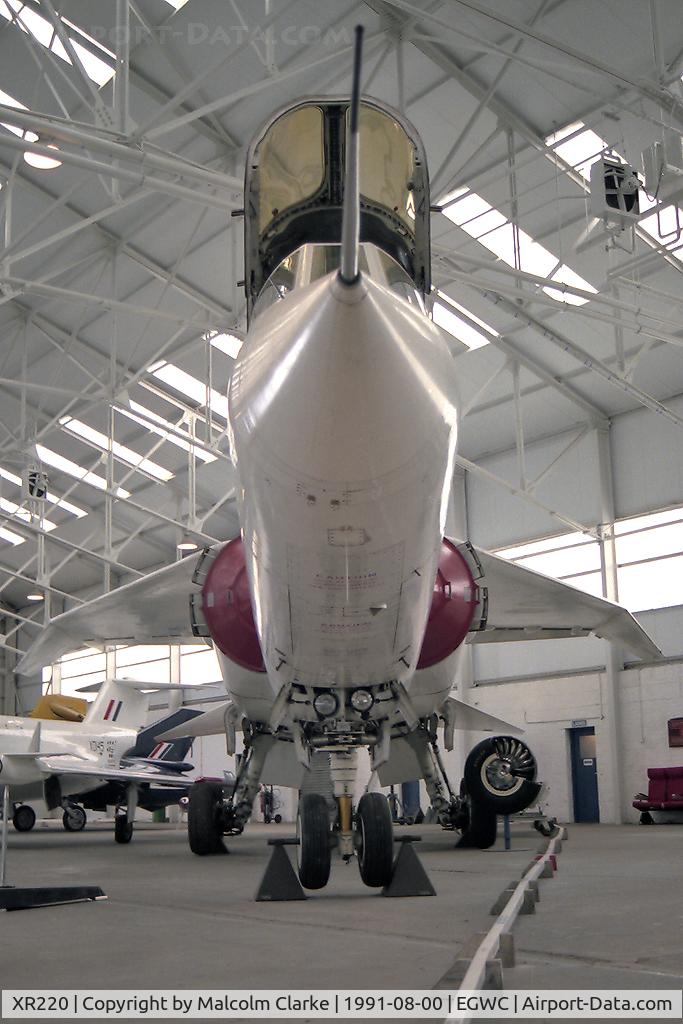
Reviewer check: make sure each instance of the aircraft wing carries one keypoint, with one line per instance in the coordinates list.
(79, 766)
(152, 609)
(524, 605)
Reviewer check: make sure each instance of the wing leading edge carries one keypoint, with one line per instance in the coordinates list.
(152, 609)
(524, 605)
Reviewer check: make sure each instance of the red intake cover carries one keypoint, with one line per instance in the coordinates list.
(226, 604)
(454, 601)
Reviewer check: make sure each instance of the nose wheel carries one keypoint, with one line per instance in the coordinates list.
(314, 853)
(375, 840)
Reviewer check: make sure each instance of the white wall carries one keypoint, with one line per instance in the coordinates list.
(545, 709)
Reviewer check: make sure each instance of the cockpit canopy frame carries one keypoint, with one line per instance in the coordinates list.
(294, 187)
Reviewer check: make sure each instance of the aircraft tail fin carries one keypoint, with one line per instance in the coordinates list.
(122, 702)
(350, 240)
(149, 748)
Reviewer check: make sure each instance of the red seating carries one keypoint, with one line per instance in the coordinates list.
(665, 790)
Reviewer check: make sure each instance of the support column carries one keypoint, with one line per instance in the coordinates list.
(611, 809)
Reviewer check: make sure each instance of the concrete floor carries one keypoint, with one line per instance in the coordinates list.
(611, 918)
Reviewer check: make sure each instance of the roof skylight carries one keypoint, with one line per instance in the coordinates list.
(24, 514)
(165, 429)
(445, 314)
(10, 536)
(100, 441)
(490, 227)
(54, 499)
(59, 462)
(190, 386)
(41, 29)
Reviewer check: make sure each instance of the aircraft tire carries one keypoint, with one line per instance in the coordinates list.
(482, 826)
(314, 854)
(375, 840)
(123, 829)
(203, 831)
(24, 818)
(646, 818)
(489, 779)
(74, 819)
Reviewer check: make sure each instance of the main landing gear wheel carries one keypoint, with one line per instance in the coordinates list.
(204, 830)
(314, 854)
(375, 840)
(482, 826)
(24, 818)
(123, 829)
(500, 774)
(74, 819)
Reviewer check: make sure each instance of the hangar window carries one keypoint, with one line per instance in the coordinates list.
(493, 229)
(572, 557)
(199, 665)
(649, 550)
(650, 559)
(80, 669)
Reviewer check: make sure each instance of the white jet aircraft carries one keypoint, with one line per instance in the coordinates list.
(339, 612)
(105, 759)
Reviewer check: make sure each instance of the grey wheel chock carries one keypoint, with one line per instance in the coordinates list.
(408, 878)
(280, 881)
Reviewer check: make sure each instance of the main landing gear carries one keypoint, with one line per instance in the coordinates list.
(23, 818)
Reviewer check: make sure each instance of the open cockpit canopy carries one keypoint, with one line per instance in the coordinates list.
(294, 189)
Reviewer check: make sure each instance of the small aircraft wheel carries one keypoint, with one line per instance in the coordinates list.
(277, 819)
(482, 826)
(314, 854)
(123, 829)
(24, 818)
(74, 819)
(645, 818)
(500, 773)
(375, 840)
(204, 831)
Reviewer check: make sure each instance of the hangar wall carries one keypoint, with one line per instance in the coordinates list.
(546, 707)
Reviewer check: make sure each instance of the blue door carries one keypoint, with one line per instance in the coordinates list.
(584, 774)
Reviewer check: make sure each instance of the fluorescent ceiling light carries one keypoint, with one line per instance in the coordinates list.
(51, 458)
(165, 429)
(35, 597)
(176, 4)
(190, 386)
(40, 29)
(99, 440)
(187, 545)
(54, 499)
(42, 162)
(490, 227)
(227, 343)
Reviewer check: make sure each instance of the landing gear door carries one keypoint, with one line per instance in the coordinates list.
(294, 191)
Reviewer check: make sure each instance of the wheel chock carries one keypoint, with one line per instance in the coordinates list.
(408, 878)
(280, 880)
(22, 898)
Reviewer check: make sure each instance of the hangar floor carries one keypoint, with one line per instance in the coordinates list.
(610, 918)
